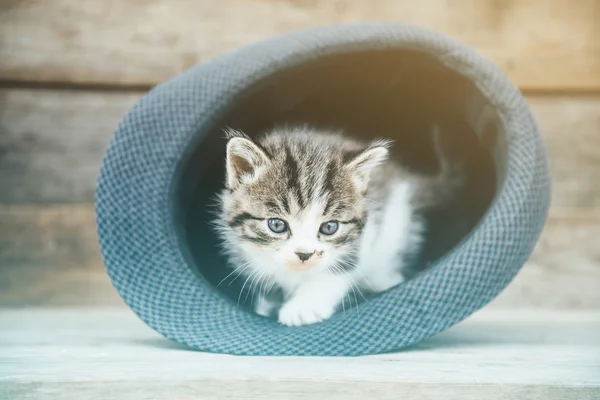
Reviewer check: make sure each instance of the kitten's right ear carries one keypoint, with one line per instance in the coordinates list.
(245, 161)
(362, 164)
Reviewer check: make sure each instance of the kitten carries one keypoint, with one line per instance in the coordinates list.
(310, 217)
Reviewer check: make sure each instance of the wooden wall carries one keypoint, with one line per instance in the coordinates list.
(69, 70)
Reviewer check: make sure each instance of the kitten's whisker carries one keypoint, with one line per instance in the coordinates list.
(361, 294)
(358, 288)
(353, 284)
(349, 279)
(258, 278)
(254, 292)
(355, 298)
(237, 276)
(337, 268)
(257, 275)
(262, 284)
(353, 288)
(243, 267)
(271, 285)
(365, 280)
(251, 275)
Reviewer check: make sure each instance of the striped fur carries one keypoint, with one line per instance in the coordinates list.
(307, 177)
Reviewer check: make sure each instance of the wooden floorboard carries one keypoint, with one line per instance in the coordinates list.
(52, 143)
(541, 44)
(49, 256)
(493, 355)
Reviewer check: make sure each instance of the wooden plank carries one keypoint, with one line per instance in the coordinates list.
(290, 390)
(564, 269)
(49, 256)
(74, 353)
(542, 45)
(571, 129)
(52, 143)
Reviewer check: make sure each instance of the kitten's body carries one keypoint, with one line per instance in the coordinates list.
(307, 179)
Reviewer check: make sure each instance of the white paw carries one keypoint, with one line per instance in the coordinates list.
(297, 312)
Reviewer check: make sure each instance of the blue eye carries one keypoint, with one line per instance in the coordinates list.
(329, 228)
(277, 225)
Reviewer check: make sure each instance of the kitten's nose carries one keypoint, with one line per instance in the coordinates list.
(304, 256)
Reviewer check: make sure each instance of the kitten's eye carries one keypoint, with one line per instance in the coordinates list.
(277, 225)
(329, 228)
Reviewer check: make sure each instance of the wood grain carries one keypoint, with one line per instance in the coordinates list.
(289, 390)
(52, 143)
(564, 268)
(74, 354)
(571, 128)
(49, 256)
(542, 45)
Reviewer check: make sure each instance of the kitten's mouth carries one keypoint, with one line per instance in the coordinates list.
(300, 265)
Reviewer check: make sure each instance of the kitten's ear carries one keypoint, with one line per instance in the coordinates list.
(245, 161)
(362, 165)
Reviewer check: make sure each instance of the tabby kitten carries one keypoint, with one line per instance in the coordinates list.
(310, 217)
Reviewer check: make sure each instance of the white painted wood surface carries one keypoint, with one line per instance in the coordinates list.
(109, 353)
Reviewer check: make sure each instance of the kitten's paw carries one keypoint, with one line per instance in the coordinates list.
(296, 313)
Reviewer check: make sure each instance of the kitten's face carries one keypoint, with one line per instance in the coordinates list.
(295, 203)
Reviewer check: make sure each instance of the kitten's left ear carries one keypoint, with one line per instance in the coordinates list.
(245, 161)
(363, 164)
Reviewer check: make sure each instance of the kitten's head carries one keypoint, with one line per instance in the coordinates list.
(295, 200)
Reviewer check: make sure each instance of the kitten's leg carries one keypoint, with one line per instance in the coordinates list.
(387, 239)
(264, 306)
(315, 300)
(267, 303)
